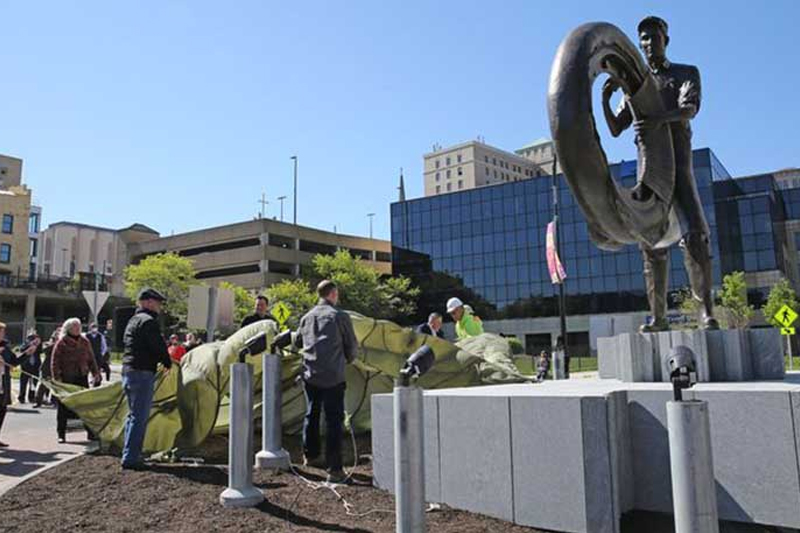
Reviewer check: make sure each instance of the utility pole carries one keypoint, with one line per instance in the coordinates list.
(281, 199)
(371, 242)
(294, 158)
(562, 311)
(64, 261)
(370, 216)
(264, 204)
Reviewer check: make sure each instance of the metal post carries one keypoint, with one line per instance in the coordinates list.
(409, 461)
(791, 359)
(562, 301)
(211, 318)
(96, 288)
(272, 455)
(240, 491)
(694, 492)
(281, 199)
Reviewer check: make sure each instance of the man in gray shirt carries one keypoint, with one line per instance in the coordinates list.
(329, 342)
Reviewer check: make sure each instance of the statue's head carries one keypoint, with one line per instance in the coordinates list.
(653, 38)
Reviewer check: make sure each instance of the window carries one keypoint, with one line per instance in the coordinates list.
(281, 241)
(460, 184)
(447, 161)
(33, 223)
(460, 172)
(448, 174)
(487, 171)
(8, 223)
(495, 173)
(34, 248)
(5, 253)
(486, 158)
(449, 186)
(437, 176)
(438, 163)
(458, 158)
(438, 189)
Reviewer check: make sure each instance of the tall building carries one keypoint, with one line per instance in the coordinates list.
(258, 253)
(17, 240)
(474, 164)
(542, 152)
(10, 172)
(488, 244)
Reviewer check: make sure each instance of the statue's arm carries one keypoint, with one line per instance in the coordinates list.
(617, 122)
(688, 104)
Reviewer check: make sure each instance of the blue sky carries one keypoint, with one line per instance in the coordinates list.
(179, 114)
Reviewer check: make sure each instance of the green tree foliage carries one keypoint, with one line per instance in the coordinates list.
(243, 301)
(168, 273)
(734, 300)
(297, 294)
(363, 290)
(781, 294)
(516, 345)
(688, 306)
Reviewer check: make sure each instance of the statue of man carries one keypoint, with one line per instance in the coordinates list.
(679, 86)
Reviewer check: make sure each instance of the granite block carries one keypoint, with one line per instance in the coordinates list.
(766, 349)
(475, 439)
(607, 357)
(737, 355)
(647, 414)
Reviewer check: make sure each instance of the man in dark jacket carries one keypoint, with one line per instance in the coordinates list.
(30, 360)
(100, 349)
(328, 343)
(7, 359)
(144, 349)
(262, 303)
(433, 326)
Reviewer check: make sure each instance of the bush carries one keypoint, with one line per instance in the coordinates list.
(516, 346)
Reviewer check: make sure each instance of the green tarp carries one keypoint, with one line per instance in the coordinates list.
(191, 401)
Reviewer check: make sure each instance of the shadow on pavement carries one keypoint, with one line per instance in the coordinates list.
(24, 462)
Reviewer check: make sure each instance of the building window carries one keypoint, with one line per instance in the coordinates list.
(438, 189)
(448, 174)
(495, 174)
(438, 163)
(458, 158)
(8, 224)
(437, 176)
(486, 158)
(5, 253)
(494, 161)
(460, 172)
(487, 170)
(449, 187)
(447, 161)
(33, 223)
(460, 184)
(34, 248)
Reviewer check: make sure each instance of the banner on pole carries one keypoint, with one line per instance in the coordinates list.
(557, 272)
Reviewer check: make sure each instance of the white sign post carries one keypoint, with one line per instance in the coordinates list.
(96, 300)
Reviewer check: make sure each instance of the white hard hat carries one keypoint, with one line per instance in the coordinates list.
(453, 304)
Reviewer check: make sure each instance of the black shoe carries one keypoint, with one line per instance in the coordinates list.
(337, 476)
(91, 436)
(654, 326)
(62, 439)
(316, 462)
(3, 444)
(710, 323)
(138, 467)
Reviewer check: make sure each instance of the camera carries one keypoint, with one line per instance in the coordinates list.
(682, 366)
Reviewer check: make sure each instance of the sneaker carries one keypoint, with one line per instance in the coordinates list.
(62, 439)
(316, 462)
(134, 466)
(337, 477)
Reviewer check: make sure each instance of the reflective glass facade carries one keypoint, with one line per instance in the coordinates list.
(488, 244)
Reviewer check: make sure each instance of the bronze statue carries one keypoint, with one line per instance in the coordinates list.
(660, 98)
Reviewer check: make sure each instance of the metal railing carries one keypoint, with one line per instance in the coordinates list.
(81, 282)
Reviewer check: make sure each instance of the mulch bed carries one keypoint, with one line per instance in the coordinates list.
(92, 493)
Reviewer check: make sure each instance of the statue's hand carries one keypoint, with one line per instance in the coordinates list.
(646, 124)
(609, 88)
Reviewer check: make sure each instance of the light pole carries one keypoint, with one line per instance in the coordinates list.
(371, 246)
(281, 199)
(294, 158)
(370, 216)
(64, 261)
(263, 203)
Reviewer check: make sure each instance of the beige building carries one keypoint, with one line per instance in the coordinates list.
(258, 253)
(15, 247)
(10, 172)
(474, 164)
(541, 152)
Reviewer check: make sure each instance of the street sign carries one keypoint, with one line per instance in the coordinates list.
(786, 316)
(281, 313)
(787, 331)
(102, 297)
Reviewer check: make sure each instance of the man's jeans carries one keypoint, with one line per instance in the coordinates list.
(332, 401)
(138, 388)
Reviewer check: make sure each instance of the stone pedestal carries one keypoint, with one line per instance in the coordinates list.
(723, 355)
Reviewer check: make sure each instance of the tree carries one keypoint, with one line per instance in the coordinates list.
(781, 294)
(243, 301)
(734, 300)
(168, 273)
(363, 290)
(688, 305)
(296, 294)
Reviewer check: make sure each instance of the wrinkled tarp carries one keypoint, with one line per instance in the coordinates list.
(191, 401)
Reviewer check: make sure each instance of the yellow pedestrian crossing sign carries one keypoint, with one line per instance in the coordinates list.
(787, 331)
(280, 311)
(786, 316)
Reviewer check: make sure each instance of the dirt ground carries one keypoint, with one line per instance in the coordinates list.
(92, 493)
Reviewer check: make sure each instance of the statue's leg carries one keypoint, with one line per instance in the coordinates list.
(697, 259)
(656, 277)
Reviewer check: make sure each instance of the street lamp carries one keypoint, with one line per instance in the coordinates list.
(371, 244)
(64, 261)
(371, 216)
(281, 199)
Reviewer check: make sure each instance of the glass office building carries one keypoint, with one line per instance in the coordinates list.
(488, 244)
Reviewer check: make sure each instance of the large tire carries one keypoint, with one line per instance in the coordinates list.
(615, 215)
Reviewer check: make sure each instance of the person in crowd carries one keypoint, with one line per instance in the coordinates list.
(175, 349)
(542, 366)
(190, 343)
(558, 350)
(72, 362)
(30, 360)
(8, 359)
(100, 349)
(260, 313)
(144, 350)
(433, 326)
(467, 323)
(46, 373)
(328, 343)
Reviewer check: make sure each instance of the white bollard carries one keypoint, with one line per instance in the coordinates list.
(272, 455)
(694, 492)
(240, 491)
(409, 460)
